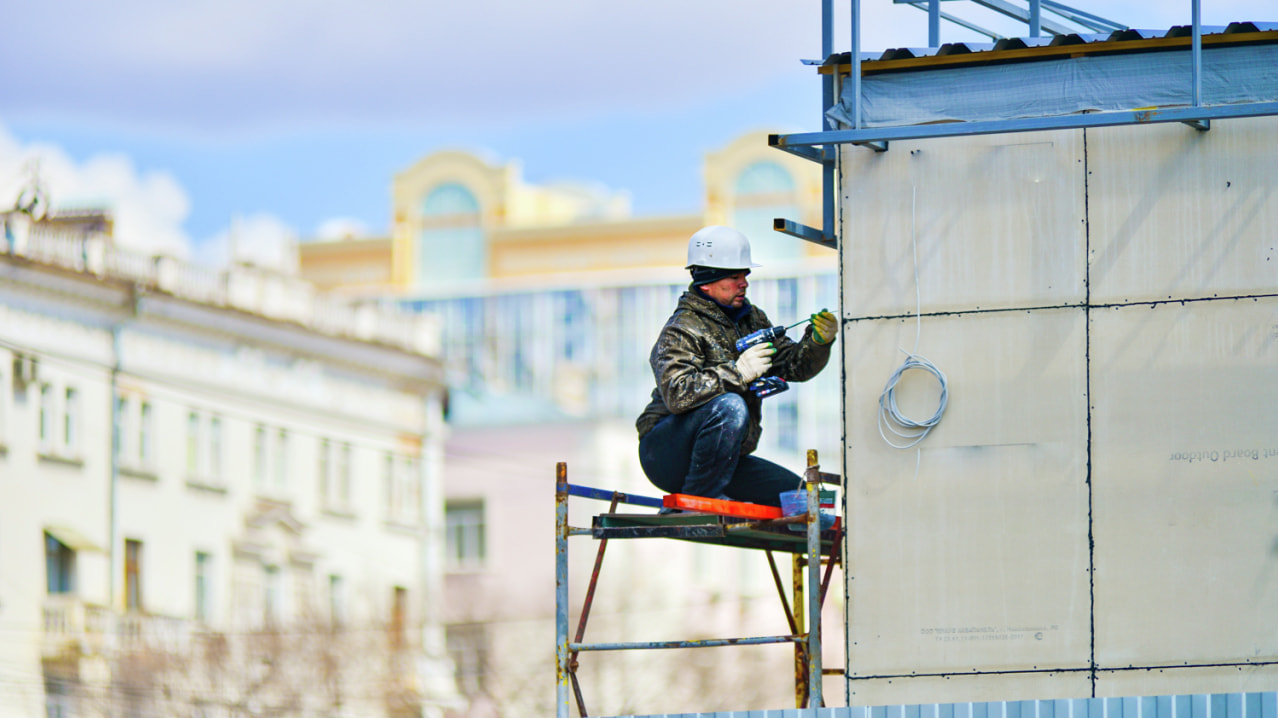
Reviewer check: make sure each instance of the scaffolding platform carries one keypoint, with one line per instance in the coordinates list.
(708, 521)
(768, 535)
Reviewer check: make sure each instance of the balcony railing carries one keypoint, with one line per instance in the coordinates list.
(269, 294)
(74, 626)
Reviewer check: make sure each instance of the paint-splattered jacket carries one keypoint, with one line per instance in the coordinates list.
(694, 360)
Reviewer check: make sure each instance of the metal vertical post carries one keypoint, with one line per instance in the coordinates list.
(1198, 53)
(814, 580)
(561, 589)
(856, 64)
(799, 625)
(828, 98)
(1035, 18)
(934, 23)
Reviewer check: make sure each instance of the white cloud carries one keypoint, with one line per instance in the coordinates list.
(149, 208)
(341, 228)
(260, 239)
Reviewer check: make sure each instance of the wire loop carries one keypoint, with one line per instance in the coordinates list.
(890, 414)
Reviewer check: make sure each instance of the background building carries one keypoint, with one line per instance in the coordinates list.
(550, 298)
(220, 492)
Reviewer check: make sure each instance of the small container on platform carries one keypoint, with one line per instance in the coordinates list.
(795, 502)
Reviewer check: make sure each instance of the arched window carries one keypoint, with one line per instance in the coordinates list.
(450, 245)
(763, 191)
(762, 179)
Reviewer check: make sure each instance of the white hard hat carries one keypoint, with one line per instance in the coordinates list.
(719, 247)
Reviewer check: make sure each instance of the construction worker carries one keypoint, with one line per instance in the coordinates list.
(697, 435)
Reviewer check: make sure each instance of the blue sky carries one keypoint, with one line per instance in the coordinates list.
(291, 115)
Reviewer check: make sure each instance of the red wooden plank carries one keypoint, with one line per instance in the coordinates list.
(720, 507)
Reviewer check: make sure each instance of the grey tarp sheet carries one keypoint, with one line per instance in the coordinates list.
(1061, 87)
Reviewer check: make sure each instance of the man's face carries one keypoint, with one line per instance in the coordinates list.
(729, 291)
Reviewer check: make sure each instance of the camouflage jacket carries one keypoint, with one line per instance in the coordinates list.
(694, 360)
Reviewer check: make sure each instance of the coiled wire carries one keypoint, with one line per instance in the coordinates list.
(890, 415)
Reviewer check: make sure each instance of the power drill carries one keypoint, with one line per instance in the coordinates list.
(766, 386)
(767, 334)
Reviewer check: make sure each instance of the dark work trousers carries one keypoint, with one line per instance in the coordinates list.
(699, 453)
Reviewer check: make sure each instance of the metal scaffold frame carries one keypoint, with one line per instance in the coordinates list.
(822, 147)
(767, 534)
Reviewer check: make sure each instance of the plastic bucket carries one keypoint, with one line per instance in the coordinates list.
(794, 503)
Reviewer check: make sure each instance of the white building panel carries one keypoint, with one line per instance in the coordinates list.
(1185, 482)
(1177, 214)
(970, 550)
(997, 220)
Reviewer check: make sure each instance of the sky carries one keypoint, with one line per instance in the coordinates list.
(283, 119)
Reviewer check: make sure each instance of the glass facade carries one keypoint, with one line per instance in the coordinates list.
(531, 356)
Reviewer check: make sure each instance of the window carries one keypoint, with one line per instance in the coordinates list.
(388, 485)
(59, 427)
(336, 600)
(344, 476)
(468, 647)
(120, 433)
(4, 397)
(192, 444)
(146, 456)
(403, 489)
(399, 617)
(215, 448)
(464, 534)
(325, 464)
(59, 560)
(271, 595)
(59, 702)
(203, 448)
(259, 457)
(451, 243)
(46, 418)
(762, 191)
(133, 575)
(203, 586)
(71, 422)
(335, 474)
(281, 460)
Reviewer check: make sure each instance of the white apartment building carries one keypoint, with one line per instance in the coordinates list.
(220, 492)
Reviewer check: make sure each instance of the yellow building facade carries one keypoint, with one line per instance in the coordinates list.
(460, 219)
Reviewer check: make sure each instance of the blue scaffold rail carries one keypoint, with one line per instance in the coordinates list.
(605, 495)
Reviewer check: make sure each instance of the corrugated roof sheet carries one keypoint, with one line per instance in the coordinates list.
(1014, 49)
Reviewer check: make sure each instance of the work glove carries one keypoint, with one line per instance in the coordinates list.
(825, 326)
(755, 361)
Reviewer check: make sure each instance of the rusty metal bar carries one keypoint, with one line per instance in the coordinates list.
(706, 643)
(835, 549)
(617, 496)
(561, 590)
(814, 581)
(783, 521)
(776, 578)
(800, 649)
(576, 692)
(625, 532)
